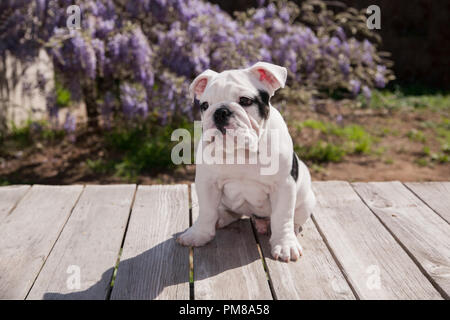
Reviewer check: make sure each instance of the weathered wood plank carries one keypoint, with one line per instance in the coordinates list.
(153, 265)
(314, 276)
(374, 263)
(29, 233)
(9, 197)
(435, 194)
(425, 235)
(88, 246)
(229, 267)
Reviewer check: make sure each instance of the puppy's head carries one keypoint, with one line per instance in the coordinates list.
(237, 101)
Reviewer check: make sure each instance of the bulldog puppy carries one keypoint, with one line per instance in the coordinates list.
(235, 106)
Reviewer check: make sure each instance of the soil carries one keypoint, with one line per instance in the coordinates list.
(64, 161)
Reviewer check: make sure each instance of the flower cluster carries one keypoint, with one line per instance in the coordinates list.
(135, 58)
(320, 55)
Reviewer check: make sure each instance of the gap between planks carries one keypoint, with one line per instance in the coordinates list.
(114, 274)
(409, 220)
(435, 195)
(224, 270)
(262, 257)
(361, 243)
(316, 275)
(191, 249)
(152, 265)
(91, 241)
(263, 260)
(54, 243)
(27, 243)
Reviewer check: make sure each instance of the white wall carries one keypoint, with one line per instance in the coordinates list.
(14, 105)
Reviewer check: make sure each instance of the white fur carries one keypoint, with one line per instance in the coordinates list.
(228, 191)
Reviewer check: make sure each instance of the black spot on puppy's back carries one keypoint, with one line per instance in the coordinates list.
(262, 100)
(294, 169)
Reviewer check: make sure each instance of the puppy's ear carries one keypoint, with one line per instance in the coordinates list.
(270, 75)
(199, 84)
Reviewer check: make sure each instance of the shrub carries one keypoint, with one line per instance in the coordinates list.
(321, 151)
(136, 58)
(335, 141)
(33, 130)
(138, 149)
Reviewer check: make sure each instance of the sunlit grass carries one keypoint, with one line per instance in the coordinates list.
(403, 98)
(335, 141)
(135, 150)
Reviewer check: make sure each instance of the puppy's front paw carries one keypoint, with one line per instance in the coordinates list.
(195, 238)
(286, 248)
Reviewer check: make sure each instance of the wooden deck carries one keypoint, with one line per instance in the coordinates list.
(380, 240)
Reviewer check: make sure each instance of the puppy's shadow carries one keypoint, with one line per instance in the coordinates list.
(166, 265)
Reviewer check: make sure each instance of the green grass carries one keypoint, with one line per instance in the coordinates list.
(423, 162)
(440, 157)
(384, 132)
(442, 131)
(21, 135)
(416, 135)
(144, 148)
(31, 131)
(357, 139)
(321, 151)
(63, 96)
(408, 98)
(100, 166)
(336, 141)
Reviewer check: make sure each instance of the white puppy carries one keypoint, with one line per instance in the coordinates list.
(279, 189)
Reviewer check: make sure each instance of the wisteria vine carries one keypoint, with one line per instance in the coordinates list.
(136, 58)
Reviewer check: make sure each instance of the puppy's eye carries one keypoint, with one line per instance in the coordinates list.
(204, 106)
(245, 102)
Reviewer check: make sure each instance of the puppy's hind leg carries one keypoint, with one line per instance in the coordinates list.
(226, 217)
(303, 211)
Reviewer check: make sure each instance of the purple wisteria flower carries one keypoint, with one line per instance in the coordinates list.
(367, 93)
(284, 14)
(142, 55)
(355, 86)
(259, 16)
(341, 34)
(344, 65)
(134, 101)
(86, 55)
(379, 77)
(70, 123)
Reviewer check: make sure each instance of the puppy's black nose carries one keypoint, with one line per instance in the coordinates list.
(221, 116)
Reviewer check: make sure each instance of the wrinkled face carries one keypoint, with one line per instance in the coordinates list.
(237, 101)
(233, 101)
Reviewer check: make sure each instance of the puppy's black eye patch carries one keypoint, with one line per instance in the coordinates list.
(263, 104)
(245, 102)
(264, 96)
(204, 106)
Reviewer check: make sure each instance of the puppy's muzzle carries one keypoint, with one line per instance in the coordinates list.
(222, 117)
